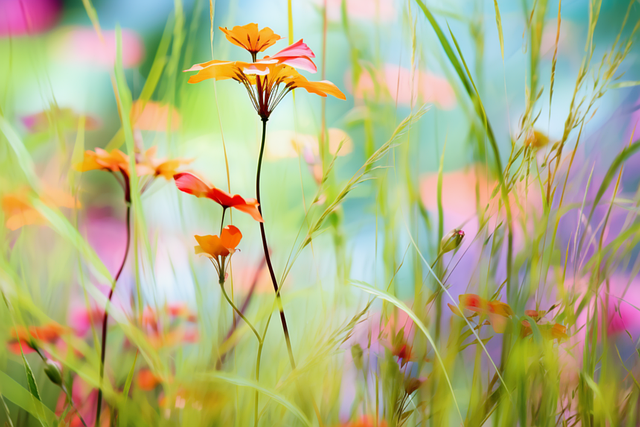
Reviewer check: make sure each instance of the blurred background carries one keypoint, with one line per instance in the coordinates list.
(57, 99)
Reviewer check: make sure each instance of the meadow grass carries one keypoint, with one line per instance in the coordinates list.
(505, 298)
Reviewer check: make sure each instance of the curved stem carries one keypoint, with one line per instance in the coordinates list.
(267, 257)
(260, 344)
(257, 394)
(239, 312)
(224, 210)
(103, 351)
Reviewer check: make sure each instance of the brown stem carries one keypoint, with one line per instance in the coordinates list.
(267, 257)
(103, 351)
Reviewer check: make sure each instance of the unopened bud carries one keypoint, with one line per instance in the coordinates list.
(451, 241)
(412, 385)
(53, 371)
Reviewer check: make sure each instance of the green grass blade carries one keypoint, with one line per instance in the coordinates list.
(402, 306)
(241, 382)
(499, 25)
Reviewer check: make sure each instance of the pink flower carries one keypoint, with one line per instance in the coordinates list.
(23, 17)
(404, 87)
(82, 45)
(81, 318)
(366, 10)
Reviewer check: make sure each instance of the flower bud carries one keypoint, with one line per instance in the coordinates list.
(53, 371)
(451, 241)
(411, 385)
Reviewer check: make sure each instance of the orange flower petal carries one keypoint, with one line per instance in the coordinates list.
(250, 38)
(146, 380)
(230, 237)
(251, 207)
(211, 245)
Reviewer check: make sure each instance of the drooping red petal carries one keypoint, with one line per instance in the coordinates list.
(191, 184)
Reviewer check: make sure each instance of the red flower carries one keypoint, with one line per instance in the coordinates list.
(29, 339)
(191, 184)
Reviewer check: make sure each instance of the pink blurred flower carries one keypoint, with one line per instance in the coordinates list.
(82, 45)
(288, 144)
(366, 10)
(399, 85)
(23, 17)
(66, 118)
(154, 116)
(81, 318)
(85, 399)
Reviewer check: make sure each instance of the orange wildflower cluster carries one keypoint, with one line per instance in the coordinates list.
(498, 313)
(19, 211)
(179, 329)
(472, 305)
(117, 162)
(270, 79)
(31, 339)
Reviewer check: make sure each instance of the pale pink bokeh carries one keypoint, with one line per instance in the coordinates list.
(81, 318)
(82, 45)
(400, 85)
(25, 17)
(366, 10)
(155, 116)
(288, 144)
(65, 118)
(85, 399)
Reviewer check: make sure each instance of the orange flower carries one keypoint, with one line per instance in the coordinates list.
(191, 184)
(19, 212)
(214, 246)
(29, 339)
(146, 380)
(497, 312)
(249, 38)
(548, 331)
(270, 79)
(217, 249)
(117, 163)
(535, 314)
(165, 168)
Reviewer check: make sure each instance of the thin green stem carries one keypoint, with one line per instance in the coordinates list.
(239, 312)
(267, 257)
(103, 351)
(260, 344)
(224, 210)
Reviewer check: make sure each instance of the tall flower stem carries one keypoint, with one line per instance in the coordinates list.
(103, 351)
(267, 257)
(260, 344)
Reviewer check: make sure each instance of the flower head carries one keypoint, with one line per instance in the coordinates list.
(270, 79)
(548, 331)
(497, 312)
(117, 162)
(30, 339)
(451, 241)
(191, 184)
(19, 211)
(218, 249)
